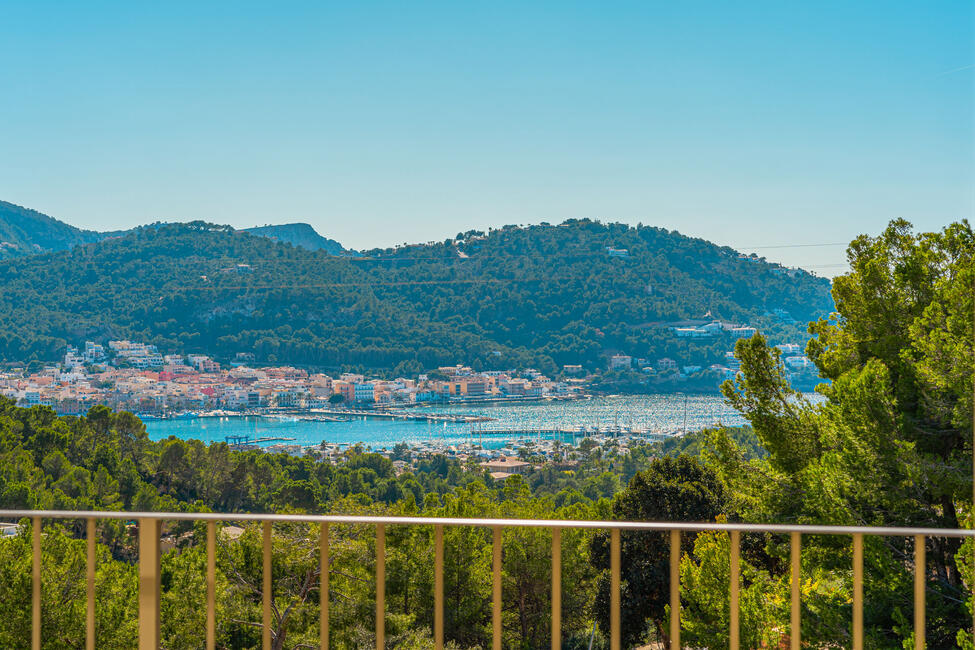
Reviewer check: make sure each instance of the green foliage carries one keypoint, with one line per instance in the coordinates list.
(696, 443)
(890, 446)
(106, 461)
(63, 592)
(26, 232)
(705, 609)
(541, 296)
(300, 235)
(670, 489)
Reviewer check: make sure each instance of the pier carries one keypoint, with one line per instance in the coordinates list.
(246, 442)
(400, 415)
(569, 435)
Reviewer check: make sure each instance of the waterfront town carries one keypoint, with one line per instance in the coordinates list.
(137, 377)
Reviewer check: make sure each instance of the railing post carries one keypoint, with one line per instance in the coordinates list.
(90, 586)
(266, 595)
(794, 624)
(211, 630)
(148, 583)
(556, 589)
(919, 565)
(323, 587)
(35, 600)
(615, 633)
(438, 587)
(496, 588)
(733, 589)
(380, 586)
(675, 590)
(858, 591)
(149, 527)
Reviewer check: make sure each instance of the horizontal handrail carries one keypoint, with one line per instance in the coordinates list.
(688, 526)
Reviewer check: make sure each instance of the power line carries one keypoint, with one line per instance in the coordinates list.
(394, 283)
(325, 257)
(329, 285)
(474, 256)
(794, 245)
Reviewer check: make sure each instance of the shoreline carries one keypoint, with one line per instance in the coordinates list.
(449, 429)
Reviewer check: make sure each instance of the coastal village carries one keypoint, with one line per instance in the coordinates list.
(137, 377)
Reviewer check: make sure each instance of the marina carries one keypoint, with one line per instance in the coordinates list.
(571, 435)
(492, 426)
(388, 414)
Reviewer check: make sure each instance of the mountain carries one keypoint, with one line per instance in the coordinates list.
(24, 232)
(539, 296)
(299, 234)
(27, 232)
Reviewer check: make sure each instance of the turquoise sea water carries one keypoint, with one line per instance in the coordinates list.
(663, 414)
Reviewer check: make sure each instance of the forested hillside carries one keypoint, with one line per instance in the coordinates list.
(889, 445)
(542, 295)
(27, 232)
(301, 235)
(24, 232)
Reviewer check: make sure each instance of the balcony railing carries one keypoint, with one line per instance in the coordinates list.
(149, 556)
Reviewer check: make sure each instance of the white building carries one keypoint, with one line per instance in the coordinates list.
(290, 397)
(714, 328)
(202, 363)
(789, 349)
(620, 361)
(691, 332)
(72, 359)
(365, 392)
(798, 362)
(93, 352)
(743, 332)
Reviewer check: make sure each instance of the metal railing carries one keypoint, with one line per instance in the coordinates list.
(149, 578)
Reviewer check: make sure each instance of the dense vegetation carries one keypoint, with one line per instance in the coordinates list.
(891, 445)
(105, 461)
(301, 235)
(541, 296)
(25, 232)
(28, 232)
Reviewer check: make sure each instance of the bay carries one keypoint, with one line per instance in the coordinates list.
(660, 414)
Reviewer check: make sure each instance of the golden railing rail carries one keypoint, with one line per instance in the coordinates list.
(149, 556)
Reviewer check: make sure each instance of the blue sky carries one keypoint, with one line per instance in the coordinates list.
(751, 124)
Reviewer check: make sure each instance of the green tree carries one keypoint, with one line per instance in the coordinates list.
(891, 443)
(63, 593)
(670, 489)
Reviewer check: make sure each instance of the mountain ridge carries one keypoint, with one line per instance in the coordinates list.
(24, 231)
(299, 234)
(539, 296)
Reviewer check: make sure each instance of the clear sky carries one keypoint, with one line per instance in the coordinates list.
(750, 124)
